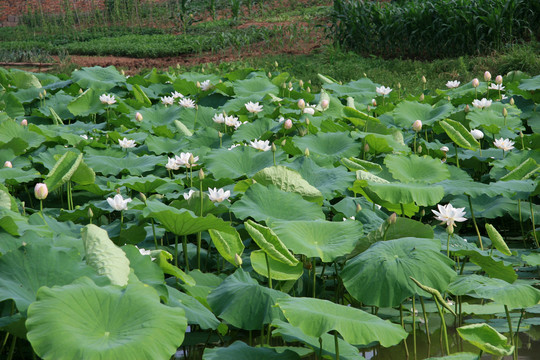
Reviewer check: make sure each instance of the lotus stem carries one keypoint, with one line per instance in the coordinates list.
(184, 250)
(425, 319)
(154, 233)
(414, 325)
(176, 250)
(516, 334)
(402, 210)
(521, 222)
(336, 344)
(403, 326)
(268, 269)
(320, 347)
(509, 319)
(41, 207)
(314, 278)
(448, 245)
(12, 348)
(414, 148)
(443, 326)
(533, 225)
(474, 222)
(457, 157)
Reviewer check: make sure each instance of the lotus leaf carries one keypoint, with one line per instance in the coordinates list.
(241, 351)
(486, 339)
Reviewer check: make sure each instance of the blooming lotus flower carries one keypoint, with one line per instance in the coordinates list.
(482, 104)
(496, 87)
(452, 84)
(188, 195)
(309, 110)
(238, 123)
(8, 164)
(24, 122)
(231, 121)
(383, 90)
(206, 85)
(118, 203)
(475, 83)
(41, 191)
(167, 100)
(144, 251)
(172, 164)
(138, 117)
(126, 144)
(444, 149)
(218, 195)
(219, 118)
(233, 146)
(449, 215)
(186, 159)
(504, 144)
(487, 76)
(187, 103)
(260, 145)
(107, 99)
(253, 107)
(499, 79)
(477, 134)
(417, 125)
(176, 95)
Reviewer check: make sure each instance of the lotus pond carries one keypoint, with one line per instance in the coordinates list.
(242, 216)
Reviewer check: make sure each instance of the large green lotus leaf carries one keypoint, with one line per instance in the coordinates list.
(386, 143)
(14, 176)
(361, 90)
(228, 243)
(86, 103)
(63, 170)
(6, 200)
(161, 145)
(181, 221)
(270, 243)
(400, 193)
(145, 269)
(58, 103)
(10, 129)
(355, 164)
(334, 145)
(241, 351)
(196, 313)
(24, 80)
(288, 180)
(133, 164)
(24, 270)
(512, 295)
(205, 283)
(456, 356)
(242, 302)
(493, 267)
(94, 323)
(290, 333)
(475, 189)
(530, 84)
(380, 275)
(159, 115)
(278, 269)
(13, 106)
(263, 203)
(146, 185)
(361, 187)
(459, 134)
(104, 256)
(492, 121)
(238, 162)
(98, 78)
(255, 86)
(486, 339)
(327, 180)
(416, 169)
(407, 112)
(254, 130)
(523, 171)
(316, 317)
(493, 207)
(323, 239)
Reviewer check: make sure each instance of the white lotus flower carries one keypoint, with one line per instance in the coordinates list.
(475, 83)
(187, 195)
(238, 123)
(504, 144)
(8, 164)
(253, 107)
(172, 164)
(383, 90)
(118, 203)
(233, 146)
(309, 110)
(452, 84)
(231, 121)
(187, 103)
(444, 149)
(107, 99)
(482, 104)
(85, 137)
(499, 87)
(477, 134)
(41, 191)
(184, 159)
(499, 79)
(167, 100)
(206, 85)
(449, 215)
(126, 144)
(260, 145)
(144, 251)
(219, 118)
(218, 195)
(176, 95)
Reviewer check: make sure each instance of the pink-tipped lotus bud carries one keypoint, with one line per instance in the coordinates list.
(237, 258)
(201, 174)
(301, 104)
(475, 83)
(444, 149)
(325, 103)
(419, 149)
(392, 219)
(288, 124)
(24, 122)
(373, 102)
(417, 125)
(41, 191)
(499, 79)
(487, 76)
(467, 109)
(358, 208)
(90, 213)
(8, 164)
(366, 148)
(422, 97)
(284, 142)
(138, 117)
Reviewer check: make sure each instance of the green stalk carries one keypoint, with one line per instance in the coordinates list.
(457, 157)
(314, 277)
(521, 222)
(509, 319)
(443, 326)
(12, 348)
(199, 235)
(414, 325)
(184, 249)
(414, 149)
(176, 250)
(425, 319)
(320, 348)
(336, 344)
(533, 225)
(403, 326)
(448, 246)
(154, 233)
(268, 269)
(474, 222)
(41, 206)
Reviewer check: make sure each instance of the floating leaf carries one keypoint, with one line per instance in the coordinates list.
(416, 169)
(241, 351)
(238, 162)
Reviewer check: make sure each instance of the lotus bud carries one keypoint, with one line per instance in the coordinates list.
(90, 213)
(274, 149)
(325, 103)
(201, 174)
(276, 64)
(118, 190)
(308, 89)
(499, 79)
(450, 229)
(521, 134)
(198, 84)
(138, 117)
(467, 109)
(422, 97)
(40, 95)
(284, 85)
(392, 219)
(81, 91)
(358, 208)
(366, 148)
(269, 75)
(417, 125)
(8, 164)
(477, 134)
(202, 69)
(41, 191)
(309, 81)
(373, 102)
(301, 104)
(290, 84)
(487, 76)
(284, 142)
(191, 159)
(512, 102)
(306, 152)
(44, 93)
(424, 80)
(308, 121)
(419, 148)
(237, 258)
(365, 75)
(399, 85)
(122, 72)
(423, 212)
(475, 83)
(444, 149)
(219, 134)
(368, 108)
(505, 112)
(301, 83)
(24, 122)
(288, 124)
(143, 197)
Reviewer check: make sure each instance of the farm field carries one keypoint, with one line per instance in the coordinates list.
(282, 206)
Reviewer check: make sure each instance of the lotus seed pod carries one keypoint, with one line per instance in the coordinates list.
(24, 122)
(8, 164)
(422, 97)
(392, 219)
(41, 191)
(301, 104)
(499, 79)
(138, 117)
(487, 76)
(237, 258)
(475, 82)
(417, 125)
(424, 80)
(505, 112)
(306, 152)
(288, 124)
(201, 174)
(512, 102)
